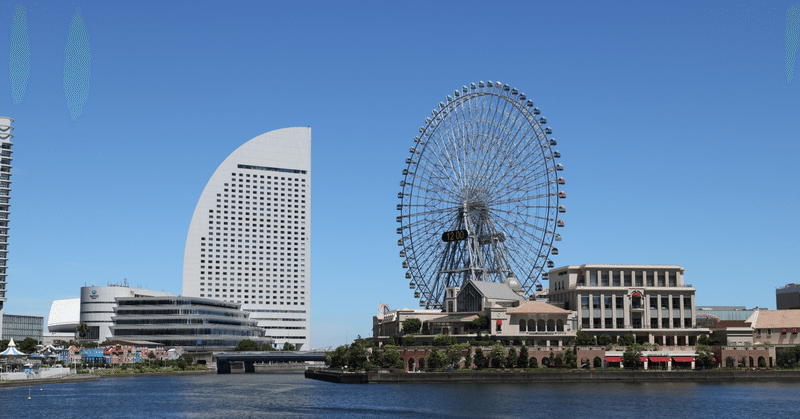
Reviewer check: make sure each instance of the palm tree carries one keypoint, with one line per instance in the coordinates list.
(82, 330)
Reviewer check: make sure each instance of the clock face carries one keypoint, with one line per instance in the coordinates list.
(455, 235)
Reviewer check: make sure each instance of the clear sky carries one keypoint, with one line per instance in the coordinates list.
(678, 130)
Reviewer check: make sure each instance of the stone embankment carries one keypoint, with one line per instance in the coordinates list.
(336, 376)
(45, 381)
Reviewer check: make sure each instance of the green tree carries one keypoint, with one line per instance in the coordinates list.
(570, 359)
(392, 359)
(627, 340)
(468, 360)
(288, 346)
(604, 340)
(4, 344)
(188, 358)
(454, 355)
(558, 361)
(551, 360)
(357, 358)
(246, 345)
(729, 362)
(28, 345)
(705, 358)
(410, 340)
(762, 363)
(436, 359)
(481, 323)
(393, 340)
(337, 358)
(412, 325)
(511, 358)
(533, 362)
(597, 362)
(522, 359)
(583, 339)
(631, 358)
(498, 356)
(444, 340)
(480, 360)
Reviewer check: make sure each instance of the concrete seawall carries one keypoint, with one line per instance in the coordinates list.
(720, 376)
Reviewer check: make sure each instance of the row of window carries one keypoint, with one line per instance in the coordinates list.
(636, 323)
(628, 280)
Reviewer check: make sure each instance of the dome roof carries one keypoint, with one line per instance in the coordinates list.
(513, 283)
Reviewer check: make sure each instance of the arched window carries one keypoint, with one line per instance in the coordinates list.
(522, 325)
(551, 325)
(411, 364)
(560, 325)
(531, 325)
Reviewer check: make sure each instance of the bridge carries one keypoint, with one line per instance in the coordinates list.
(249, 359)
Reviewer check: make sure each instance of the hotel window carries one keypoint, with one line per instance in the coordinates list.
(616, 282)
(653, 303)
(596, 323)
(593, 279)
(664, 303)
(654, 323)
(676, 303)
(676, 323)
(651, 280)
(639, 280)
(596, 303)
(687, 323)
(604, 280)
(620, 323)
(585, 303)
(585, 323)
(662, 280)
(607, 304)
(609, 323)
(673, 280)
(665, 323)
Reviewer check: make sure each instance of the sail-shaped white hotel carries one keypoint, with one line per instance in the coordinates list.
(249, 240)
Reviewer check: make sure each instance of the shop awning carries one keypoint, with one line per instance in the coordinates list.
(613, 359)
(643, 359)
(683, 358)
(659, 359)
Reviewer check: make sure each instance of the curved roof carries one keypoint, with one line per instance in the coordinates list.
(65, 315)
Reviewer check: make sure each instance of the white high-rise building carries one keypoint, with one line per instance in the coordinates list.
(5, 197)
(249, 240)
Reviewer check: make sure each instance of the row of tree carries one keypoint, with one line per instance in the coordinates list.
(28, 345)
(249, 345)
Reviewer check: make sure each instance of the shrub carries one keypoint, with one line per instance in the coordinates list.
(597, 362)
(533, 362)
(498, 356)
(411, 340)
(444, 340)
(762, 363)
(522, 359)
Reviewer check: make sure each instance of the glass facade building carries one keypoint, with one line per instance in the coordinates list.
(20, 327)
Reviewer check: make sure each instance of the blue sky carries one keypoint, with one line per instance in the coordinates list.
(678, 130)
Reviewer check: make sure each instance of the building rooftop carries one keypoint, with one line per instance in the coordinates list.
(537, 307)
(496, 291)
(774, 319)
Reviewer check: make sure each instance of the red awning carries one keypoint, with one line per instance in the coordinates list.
(683, 358)
(659, 359)
(613, 359)
(643, 359)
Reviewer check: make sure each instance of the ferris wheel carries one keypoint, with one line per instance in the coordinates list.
(480, 194)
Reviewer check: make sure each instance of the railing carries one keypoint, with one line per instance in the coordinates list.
(42, 373)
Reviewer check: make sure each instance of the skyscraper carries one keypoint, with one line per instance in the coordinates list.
(5, 197)
(249, 239)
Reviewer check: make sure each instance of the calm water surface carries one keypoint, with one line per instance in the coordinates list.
(292, 396)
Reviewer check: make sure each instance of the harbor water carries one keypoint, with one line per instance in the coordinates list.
(293, 396)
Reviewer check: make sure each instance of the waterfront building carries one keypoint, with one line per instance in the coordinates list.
(5, 197)
(775, 327)
(196, 324)
(788, 297)
(249, 238)
(651, 302)
(97, 307)
(509, 315)
(19, 327)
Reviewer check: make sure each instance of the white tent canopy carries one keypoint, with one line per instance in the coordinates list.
(12, 350)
